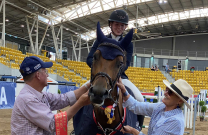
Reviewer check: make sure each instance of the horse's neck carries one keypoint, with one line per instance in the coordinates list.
(102, 118)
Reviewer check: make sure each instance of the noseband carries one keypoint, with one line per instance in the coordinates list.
(108, 79)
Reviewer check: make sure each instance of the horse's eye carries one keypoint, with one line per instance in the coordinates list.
(119, 64)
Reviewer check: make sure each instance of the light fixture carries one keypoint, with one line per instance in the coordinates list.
(47, 35)
(7, 20)
(162, 1)
(22, 26)
(67, 28)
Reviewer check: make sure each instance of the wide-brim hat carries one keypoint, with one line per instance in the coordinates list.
(182, 89)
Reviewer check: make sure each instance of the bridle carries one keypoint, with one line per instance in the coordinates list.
(108, 79)
(111, 83)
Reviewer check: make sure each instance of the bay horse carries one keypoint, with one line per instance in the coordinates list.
(106, 115)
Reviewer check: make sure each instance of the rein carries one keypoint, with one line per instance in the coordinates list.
(111, 83)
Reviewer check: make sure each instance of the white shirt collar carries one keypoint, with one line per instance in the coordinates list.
(115, 37)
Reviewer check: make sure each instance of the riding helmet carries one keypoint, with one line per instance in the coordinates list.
(119, 16)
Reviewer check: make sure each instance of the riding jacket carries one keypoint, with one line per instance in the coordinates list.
(129, 52)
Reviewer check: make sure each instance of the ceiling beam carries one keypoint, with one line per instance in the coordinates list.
(202, 3)
(181, 4)
(170, 5)
(192, 4)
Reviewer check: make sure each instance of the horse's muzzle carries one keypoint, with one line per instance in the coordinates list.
(98, 96)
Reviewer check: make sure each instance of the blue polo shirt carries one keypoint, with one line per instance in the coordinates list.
(162, 122)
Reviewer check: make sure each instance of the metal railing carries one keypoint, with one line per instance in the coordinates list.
(165, 52)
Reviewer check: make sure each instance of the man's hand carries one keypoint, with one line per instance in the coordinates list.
(84, 99)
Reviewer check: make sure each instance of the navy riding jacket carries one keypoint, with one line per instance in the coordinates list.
(129, 52)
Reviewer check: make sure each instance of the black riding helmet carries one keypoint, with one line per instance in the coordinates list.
(119, 16)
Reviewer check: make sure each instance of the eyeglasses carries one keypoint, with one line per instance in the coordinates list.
(46, 71)
(169, 91)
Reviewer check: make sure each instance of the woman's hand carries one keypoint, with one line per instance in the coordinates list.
(130, 130)
(121, 86)
(123, 90)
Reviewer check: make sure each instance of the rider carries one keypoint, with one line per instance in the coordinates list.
(118, 22)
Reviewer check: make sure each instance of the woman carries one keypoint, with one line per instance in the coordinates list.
(118, 22)
(166, 117)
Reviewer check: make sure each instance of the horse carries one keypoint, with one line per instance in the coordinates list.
(106, 115)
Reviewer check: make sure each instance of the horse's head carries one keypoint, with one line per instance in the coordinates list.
(104, 75)
(108, 64)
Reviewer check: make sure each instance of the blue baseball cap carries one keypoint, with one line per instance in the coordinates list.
(32, 64)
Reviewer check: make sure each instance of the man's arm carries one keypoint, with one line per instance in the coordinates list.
(83, 100)
(40, 114)
(81, 90)
(92, 51)
(59, 101)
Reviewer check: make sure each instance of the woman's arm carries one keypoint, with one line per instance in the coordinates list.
(139, 108)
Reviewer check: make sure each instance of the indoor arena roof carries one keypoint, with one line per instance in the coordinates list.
(152, 18)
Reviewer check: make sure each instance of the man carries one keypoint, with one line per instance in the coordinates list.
(167, 68)
(166, 117)
(32, 112)
(118, 22)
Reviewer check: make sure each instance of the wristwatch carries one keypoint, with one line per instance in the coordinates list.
(126, 93)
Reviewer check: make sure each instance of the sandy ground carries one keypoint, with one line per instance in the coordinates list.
(5, 121)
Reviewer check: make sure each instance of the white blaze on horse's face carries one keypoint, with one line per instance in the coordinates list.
(101, 83)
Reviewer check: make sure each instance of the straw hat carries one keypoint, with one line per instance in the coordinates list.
(182, 89)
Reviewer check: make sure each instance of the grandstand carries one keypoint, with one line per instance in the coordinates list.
(145, 79)
(197, 79)
(79, 72)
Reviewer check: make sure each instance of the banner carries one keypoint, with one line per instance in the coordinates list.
(10, 90)
(7, 94)
(64, 88)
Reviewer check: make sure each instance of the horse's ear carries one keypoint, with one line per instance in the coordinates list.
(126, 40)
(100, 35)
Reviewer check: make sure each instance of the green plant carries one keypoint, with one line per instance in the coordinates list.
(203, 109)
(59, 91)
(201, 103)
(201, 116)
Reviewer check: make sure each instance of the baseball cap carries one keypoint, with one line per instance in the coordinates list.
(32, 64)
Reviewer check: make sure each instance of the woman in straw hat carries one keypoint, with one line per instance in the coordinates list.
(166, 117)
